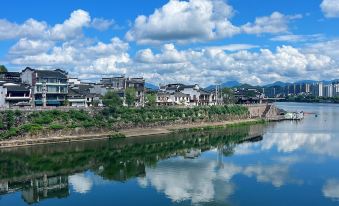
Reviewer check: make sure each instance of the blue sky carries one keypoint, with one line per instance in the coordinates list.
(196, 41)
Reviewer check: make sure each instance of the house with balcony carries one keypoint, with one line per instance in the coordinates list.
(172, 99)
(14, 95)
(120, 84)
(80, 96)
(49, 87)
(197, 96)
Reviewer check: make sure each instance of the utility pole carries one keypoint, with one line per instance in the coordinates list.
(44, 94)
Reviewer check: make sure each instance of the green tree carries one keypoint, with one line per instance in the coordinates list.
(111, 99)
(130, 96)
(228, 96)
(3, 69)
(151, 99)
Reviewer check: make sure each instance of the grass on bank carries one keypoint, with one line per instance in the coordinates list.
(16, 123)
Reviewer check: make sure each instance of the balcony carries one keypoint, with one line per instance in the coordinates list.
(17, 98)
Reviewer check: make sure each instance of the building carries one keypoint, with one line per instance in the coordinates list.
(73, 81)
(328, 90)
(80, 96)
(318, 89)
(49, 87)
(10, 77)
(189, 95)
(119, 85)
(336, 89)
(171, 99)
(14, 95)
(248, 96)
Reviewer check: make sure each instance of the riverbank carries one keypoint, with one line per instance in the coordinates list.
(133, 132)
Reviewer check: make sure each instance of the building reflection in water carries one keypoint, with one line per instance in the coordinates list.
(36, 189)
(113, 160)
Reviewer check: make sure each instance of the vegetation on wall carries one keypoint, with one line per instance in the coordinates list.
(15, 123)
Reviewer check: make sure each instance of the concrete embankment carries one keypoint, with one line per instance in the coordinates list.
(135, 132)
(256, 112)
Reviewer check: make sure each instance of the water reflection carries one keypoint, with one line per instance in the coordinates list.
(331, 189)
(47, 172)
(283, 163)
(37, 189)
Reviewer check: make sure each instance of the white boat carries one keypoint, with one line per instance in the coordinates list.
(294, 115)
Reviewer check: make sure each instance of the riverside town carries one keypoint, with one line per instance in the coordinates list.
(32, 88)
(169, 103)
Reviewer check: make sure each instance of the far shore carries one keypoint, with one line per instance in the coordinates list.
(135, 132)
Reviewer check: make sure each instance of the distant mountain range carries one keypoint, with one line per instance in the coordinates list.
(233, 83)
(151, 86)
(282, 84)
(228, 84)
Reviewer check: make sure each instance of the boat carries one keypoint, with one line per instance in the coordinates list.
(294, 115)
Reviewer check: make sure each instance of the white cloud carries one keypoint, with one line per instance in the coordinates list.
(71, 27)
(205, 66)
(275, 23)
(331, 189)
(30, 47)
(83, 58)
(199, 20)
(330, 8)
(30, 28)
(234, 47)
(102, 24)
(298, 38)
(192, 20)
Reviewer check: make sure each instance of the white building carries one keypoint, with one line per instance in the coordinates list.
(328, 90)
(14, 95)
(190, 95)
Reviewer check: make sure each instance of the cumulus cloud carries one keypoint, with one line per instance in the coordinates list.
(330, 8)
(84, 58)
(30, 47)
(275, 23)
(199, 20)
(31, 28)
(184, 21)
(214, 64)
(102, 24)
(71, 27)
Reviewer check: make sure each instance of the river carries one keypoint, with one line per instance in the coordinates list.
(281, 163)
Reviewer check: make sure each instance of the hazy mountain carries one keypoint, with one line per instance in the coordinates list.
(151, 86)
(227, 84)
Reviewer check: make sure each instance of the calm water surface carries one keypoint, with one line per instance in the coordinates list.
(286, 163)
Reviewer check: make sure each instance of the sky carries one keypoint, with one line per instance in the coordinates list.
(194, 41)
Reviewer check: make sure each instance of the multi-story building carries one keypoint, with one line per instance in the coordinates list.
(14, 95)
(318, 89)
(181, 94)
(328, 90)
(336, 89)
(120, 84)
(80, 96)
(49, 87)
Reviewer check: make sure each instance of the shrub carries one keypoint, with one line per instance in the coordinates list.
(117, 136)
(56, 127)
